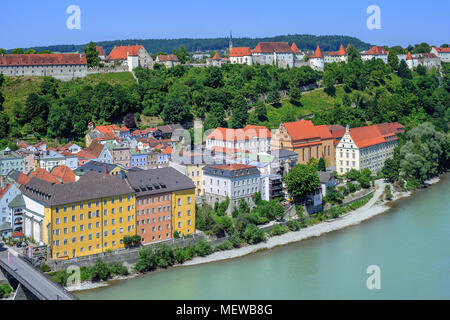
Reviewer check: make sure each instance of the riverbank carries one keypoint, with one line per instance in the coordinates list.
(373, 208)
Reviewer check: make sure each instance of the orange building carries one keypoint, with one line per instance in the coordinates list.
(307, 140)
(154, 190)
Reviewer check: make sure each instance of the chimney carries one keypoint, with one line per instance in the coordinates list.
(106, 170)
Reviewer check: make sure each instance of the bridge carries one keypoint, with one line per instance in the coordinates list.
(35, 284)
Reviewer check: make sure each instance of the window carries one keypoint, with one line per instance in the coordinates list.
(179, 201)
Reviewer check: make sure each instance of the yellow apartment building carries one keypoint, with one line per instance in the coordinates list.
(183, 211)
(86, 217)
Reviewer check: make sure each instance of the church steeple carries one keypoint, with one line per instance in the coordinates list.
(231, 41)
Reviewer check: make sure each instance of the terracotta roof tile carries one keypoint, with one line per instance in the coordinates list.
(317, 53)
(64, 174)
(375, 50)
(295, 49)
(167, 57)
(122, 53)
(240, 52)
(271, 47)
(42, 59)
(442, 50)
(247, 133)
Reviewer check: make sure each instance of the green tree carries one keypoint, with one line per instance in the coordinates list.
(390, 170)
(301, 181)
(182, 54)
(240, 112)
(393, 60)
(17, 51)
(93, 60)
(100, 271)
(177, 108)
(273, 97)
(2, 51)
(403, 70)
(261, 111)
(321, 165)
(31, 51)
(253, 234)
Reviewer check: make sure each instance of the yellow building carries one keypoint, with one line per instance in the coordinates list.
(87, 217)
(183, 211)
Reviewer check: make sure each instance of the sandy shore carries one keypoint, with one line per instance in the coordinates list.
(374, 207)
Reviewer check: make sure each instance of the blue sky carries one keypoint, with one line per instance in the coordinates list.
(34, 23)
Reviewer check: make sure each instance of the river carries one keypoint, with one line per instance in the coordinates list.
(410, 244)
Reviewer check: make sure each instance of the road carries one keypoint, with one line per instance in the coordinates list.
(32, 279)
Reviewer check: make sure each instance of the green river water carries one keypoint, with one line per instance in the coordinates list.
(410, 243)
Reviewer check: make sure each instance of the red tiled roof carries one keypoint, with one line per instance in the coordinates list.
(337, 131)
(167, 150)
(23, 144)
(295, 49)
(100, 50)
(232, 167)
(44, 175)
(375, 50)
(376, 134)
(95, 149)
(302, 130)
(23, 179)
(3, 190)
(271, 47)
(122, 53)
(317, 54)
(341, 52)
(427, 55)
(324, 132)
(83, 154)
(409, 56)
(240, 52)
(167, 57)
(442, 50)
(216, 57)
(247, 133)
(107, 129)
(42, 59)
(64, 174)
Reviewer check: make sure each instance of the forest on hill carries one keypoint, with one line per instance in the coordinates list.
(153, 46)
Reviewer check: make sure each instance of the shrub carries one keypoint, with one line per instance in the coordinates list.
(388, 192)
(203, 248)
(176, 235)
(178, 256)
(164, 255)
(59, 277)
(235, 240)
(100, 271)
(253, 234)
(146, 260)
(351, 187)
(293, 225)
(5, 290)
(226, 245)
(364, 181)
(277, 230)
(335, 211)
(44, 268)
(353, 175)
(118, 269)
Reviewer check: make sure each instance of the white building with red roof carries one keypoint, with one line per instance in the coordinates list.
(241, 55)
(442, 53)
(169, 60)
(377, 52)
(317, 60)
(367, 147)
(131, 56)
(253, 139)
(298, 54)
(62, 66)
(428, 60)
(338, 56)
(276, 53)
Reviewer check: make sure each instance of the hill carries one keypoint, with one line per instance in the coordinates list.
(304, 42)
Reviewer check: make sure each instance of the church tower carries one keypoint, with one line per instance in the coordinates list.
(231, 41)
